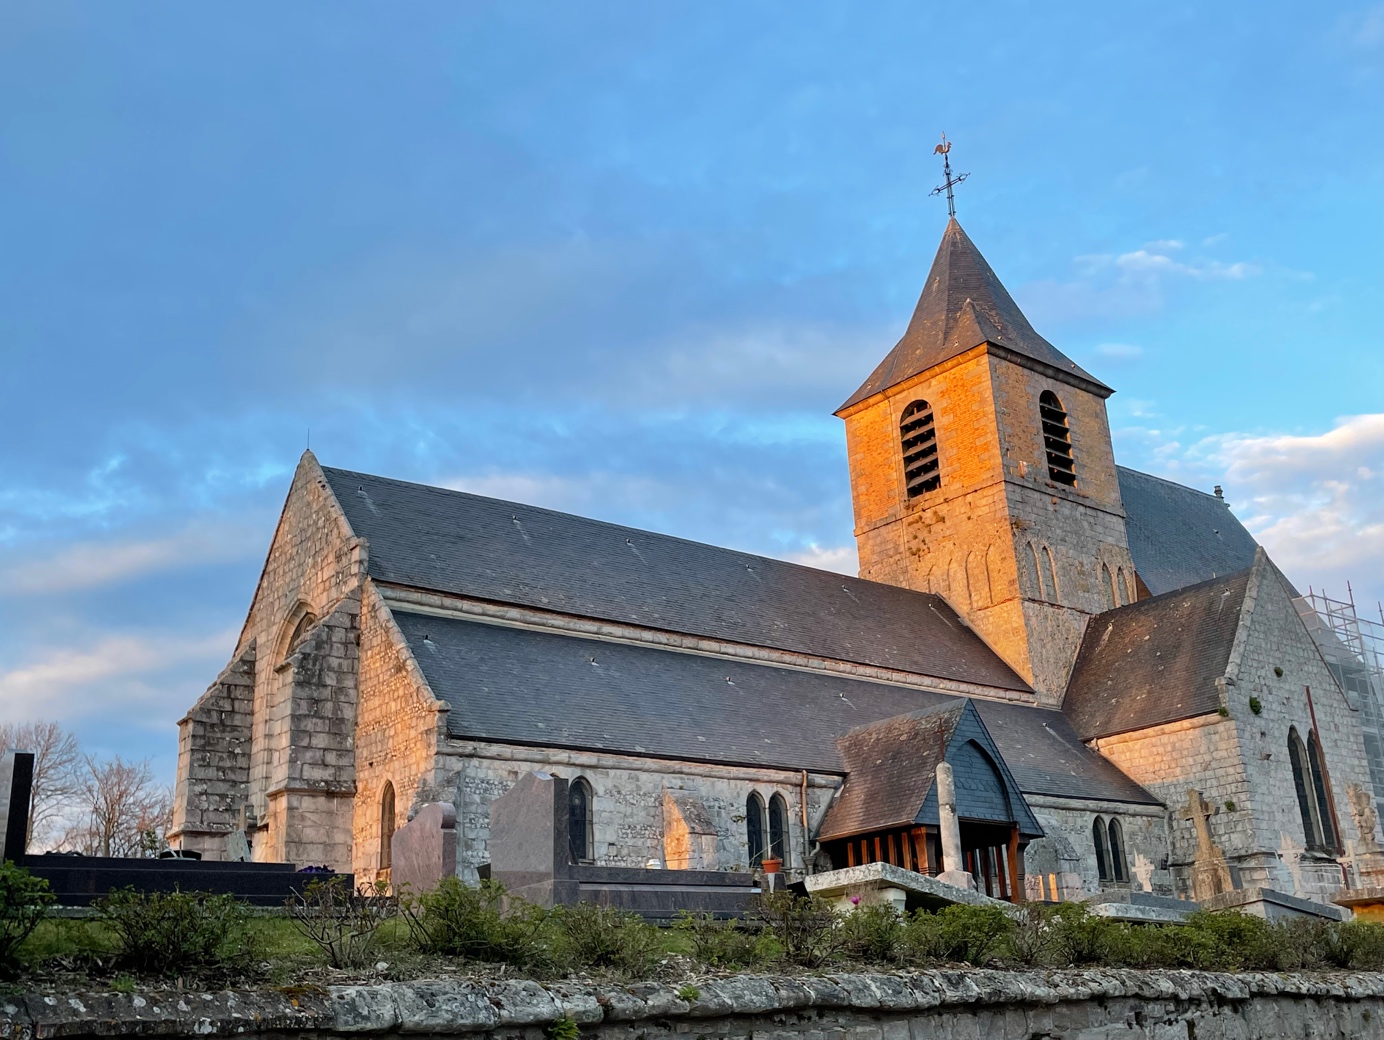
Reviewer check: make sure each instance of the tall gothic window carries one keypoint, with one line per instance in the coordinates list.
(579, 821)
(754, 827)
(1119, 868)
(918, 434)
(1100, 837)
(1306, 796)
(778, 828)
(387, 826)
(1057, 439)
(1314, 758)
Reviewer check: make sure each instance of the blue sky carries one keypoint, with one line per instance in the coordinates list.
(625, 259)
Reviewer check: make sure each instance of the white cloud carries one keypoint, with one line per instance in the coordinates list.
(1314, 501)
(91, 564)
(113, 674)
(1143, 262)
(840, 558)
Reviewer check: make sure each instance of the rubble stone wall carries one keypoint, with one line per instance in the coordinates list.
(1069, 826)
(627, 800)
(953, 1005)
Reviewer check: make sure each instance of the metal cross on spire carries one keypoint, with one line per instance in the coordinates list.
(944, 150)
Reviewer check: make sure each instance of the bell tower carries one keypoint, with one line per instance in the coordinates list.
(982, 470)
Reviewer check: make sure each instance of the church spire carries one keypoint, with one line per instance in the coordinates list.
(964, 305)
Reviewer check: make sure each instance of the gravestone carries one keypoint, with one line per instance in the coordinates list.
(16, 792)
(1210, 872)
(424, 850)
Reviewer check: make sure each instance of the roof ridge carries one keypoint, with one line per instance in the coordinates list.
(1173, 483)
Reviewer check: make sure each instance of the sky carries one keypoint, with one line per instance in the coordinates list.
(625, 259)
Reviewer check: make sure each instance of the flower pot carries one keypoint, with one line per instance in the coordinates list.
(772, 865)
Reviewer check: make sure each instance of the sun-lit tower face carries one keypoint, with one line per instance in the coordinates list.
(982, 470)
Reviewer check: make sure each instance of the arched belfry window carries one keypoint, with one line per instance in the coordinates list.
(1328, 826)
(387, 826)
(1057, 439)
(754, 828)
(778, 828)
(579, 821)
(918, 435)
(1306, 796)
(1119, 869)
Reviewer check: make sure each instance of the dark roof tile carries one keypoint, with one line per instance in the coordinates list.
(1155, 661)
(454, 542)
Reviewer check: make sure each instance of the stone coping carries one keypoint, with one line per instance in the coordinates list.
(459, 1006)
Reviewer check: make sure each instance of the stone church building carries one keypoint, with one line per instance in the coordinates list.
(1119, 676)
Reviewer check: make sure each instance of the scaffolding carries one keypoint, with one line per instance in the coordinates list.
(1353, 647)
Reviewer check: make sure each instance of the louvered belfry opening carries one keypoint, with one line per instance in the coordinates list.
(1057, 439)
(921, 472)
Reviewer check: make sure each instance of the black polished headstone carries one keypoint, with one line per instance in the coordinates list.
(19, 804)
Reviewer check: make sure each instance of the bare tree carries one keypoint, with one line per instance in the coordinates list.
(124, 813)
(57, 767)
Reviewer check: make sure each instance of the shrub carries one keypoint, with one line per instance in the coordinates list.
(806, 928)
(342, 921)
(973, 934)
(1077, 936)
(874, 934)
(177, 933)
(721, 943)
(604, 937)
(24, 900)
(459, 921)
(1032, 936)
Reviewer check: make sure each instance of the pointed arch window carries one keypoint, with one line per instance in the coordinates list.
(1100, 837)
(1107, 581)
(918, 437)
(1302, 784)
(1056, 596)
(754, 828)
(579, 821)
(1057, 439)
(778, 828)
(387, 826)
(1328, 828)
(1119, 868)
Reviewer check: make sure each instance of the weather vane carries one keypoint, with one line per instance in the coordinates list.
(944, 150)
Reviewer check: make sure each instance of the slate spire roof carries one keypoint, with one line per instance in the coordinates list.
(962, 306)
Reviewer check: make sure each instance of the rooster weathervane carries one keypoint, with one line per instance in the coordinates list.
(944, 150)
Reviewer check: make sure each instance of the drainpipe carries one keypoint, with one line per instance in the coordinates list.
(807, 838)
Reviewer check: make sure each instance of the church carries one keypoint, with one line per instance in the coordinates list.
(1125, 686)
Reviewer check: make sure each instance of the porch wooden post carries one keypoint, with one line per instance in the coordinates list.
(1015, 875)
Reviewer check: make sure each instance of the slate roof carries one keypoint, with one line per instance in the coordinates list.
(528, 687)
(450, 541)
(963, 305)
(1155, 661)
(1179, 536)
(891, 769)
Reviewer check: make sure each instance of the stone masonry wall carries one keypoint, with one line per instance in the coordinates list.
(1200, 754)
(313, 779)
(1274, 637)
(928, 1005)
(974, 539)
(627, 800)
(1067, 825)
(214, 761)
(398, 727)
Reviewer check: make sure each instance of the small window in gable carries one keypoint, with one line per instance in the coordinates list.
(1057, 439)
(918, 435)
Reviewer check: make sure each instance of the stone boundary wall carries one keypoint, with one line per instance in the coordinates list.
(953, 1005)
